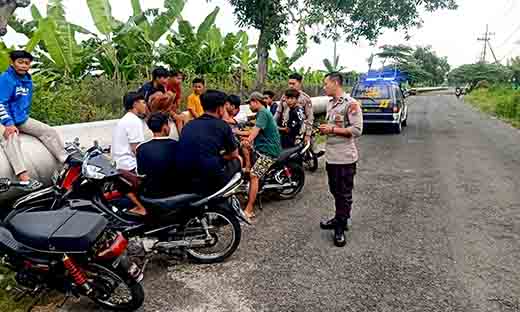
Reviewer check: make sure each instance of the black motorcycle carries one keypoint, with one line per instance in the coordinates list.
(72, 252)
(311, 158)
(286, 177)
(207, 229)
(459, 92)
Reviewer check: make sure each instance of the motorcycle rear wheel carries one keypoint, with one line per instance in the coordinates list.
(103, 279)
(223, 224)
(298, 176)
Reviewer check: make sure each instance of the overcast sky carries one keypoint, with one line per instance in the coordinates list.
(451, 33)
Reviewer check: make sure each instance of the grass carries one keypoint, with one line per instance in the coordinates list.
(6, 294)
(500, 101)
(47, 303)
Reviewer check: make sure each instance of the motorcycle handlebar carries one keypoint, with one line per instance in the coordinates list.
(6, 184)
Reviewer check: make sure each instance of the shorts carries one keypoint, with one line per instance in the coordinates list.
(262, 165)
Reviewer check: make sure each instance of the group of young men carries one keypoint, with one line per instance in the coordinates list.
(198, 152)
(212, 142)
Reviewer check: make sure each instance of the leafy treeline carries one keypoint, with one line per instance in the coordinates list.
(493, 88)
(120, 54)
(421, 64)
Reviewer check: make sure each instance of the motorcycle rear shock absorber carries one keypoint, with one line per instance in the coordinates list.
(78, 276)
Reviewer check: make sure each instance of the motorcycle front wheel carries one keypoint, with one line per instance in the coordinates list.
(224, 229)
(310, 162)
(111, 291)
(297, 177)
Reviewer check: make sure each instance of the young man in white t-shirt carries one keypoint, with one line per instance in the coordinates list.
(129, 132)
(127, 135)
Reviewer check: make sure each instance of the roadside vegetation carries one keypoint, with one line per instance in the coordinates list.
(492, 88)
(500, 101)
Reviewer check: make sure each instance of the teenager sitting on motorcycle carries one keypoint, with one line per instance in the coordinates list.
(292, 129)
(156, 159)
(127, 135)
(266, 139)
(209, 154)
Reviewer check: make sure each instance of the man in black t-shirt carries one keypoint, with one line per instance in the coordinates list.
(156, 159)
(209, 154)
(160, 77)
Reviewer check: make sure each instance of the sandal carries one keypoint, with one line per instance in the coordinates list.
(250, 216)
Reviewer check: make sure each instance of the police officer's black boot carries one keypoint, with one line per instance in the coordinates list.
(339, 232)
(331, 224)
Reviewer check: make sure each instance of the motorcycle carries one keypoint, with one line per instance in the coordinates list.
(459, 92)
(198, 226)
(311, 158)
(285, 178)
(72, 252)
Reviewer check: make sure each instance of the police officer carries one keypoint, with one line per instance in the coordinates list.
(344, 125)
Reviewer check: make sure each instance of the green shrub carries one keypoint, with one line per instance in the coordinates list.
(498, 100)
(93, 99)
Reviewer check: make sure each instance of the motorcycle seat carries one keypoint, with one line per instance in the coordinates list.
(168, 204)
(286, 153)
(63, 230)
(7, 240)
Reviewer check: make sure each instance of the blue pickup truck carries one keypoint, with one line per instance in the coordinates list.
(382, 99)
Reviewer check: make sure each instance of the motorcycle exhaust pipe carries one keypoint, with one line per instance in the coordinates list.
(280, 186)
(182, 243)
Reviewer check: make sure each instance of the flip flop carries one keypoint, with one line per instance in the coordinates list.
(250, 216)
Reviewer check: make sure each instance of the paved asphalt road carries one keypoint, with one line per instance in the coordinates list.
(436, 227)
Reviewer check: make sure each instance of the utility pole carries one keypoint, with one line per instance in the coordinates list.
(487, 39)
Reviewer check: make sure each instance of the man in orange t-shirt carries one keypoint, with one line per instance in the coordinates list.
(194, 105)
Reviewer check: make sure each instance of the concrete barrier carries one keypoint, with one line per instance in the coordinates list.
(41, 164)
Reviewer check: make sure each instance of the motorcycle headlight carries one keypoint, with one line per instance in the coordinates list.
(93, 172)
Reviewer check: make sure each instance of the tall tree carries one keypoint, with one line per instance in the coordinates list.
(355, 19)
(271, 19)
(437, 67)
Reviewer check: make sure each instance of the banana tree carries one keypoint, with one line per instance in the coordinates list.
(281, 68)
(4, 56)
(55, 38)
(245, 57)
(128, 50)
(186, 47)
(101, 12)
(333, 66)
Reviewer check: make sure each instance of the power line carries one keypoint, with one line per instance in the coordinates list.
(510, 53)
(517, 29)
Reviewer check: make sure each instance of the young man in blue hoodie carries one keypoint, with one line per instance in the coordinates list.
(16, 90)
